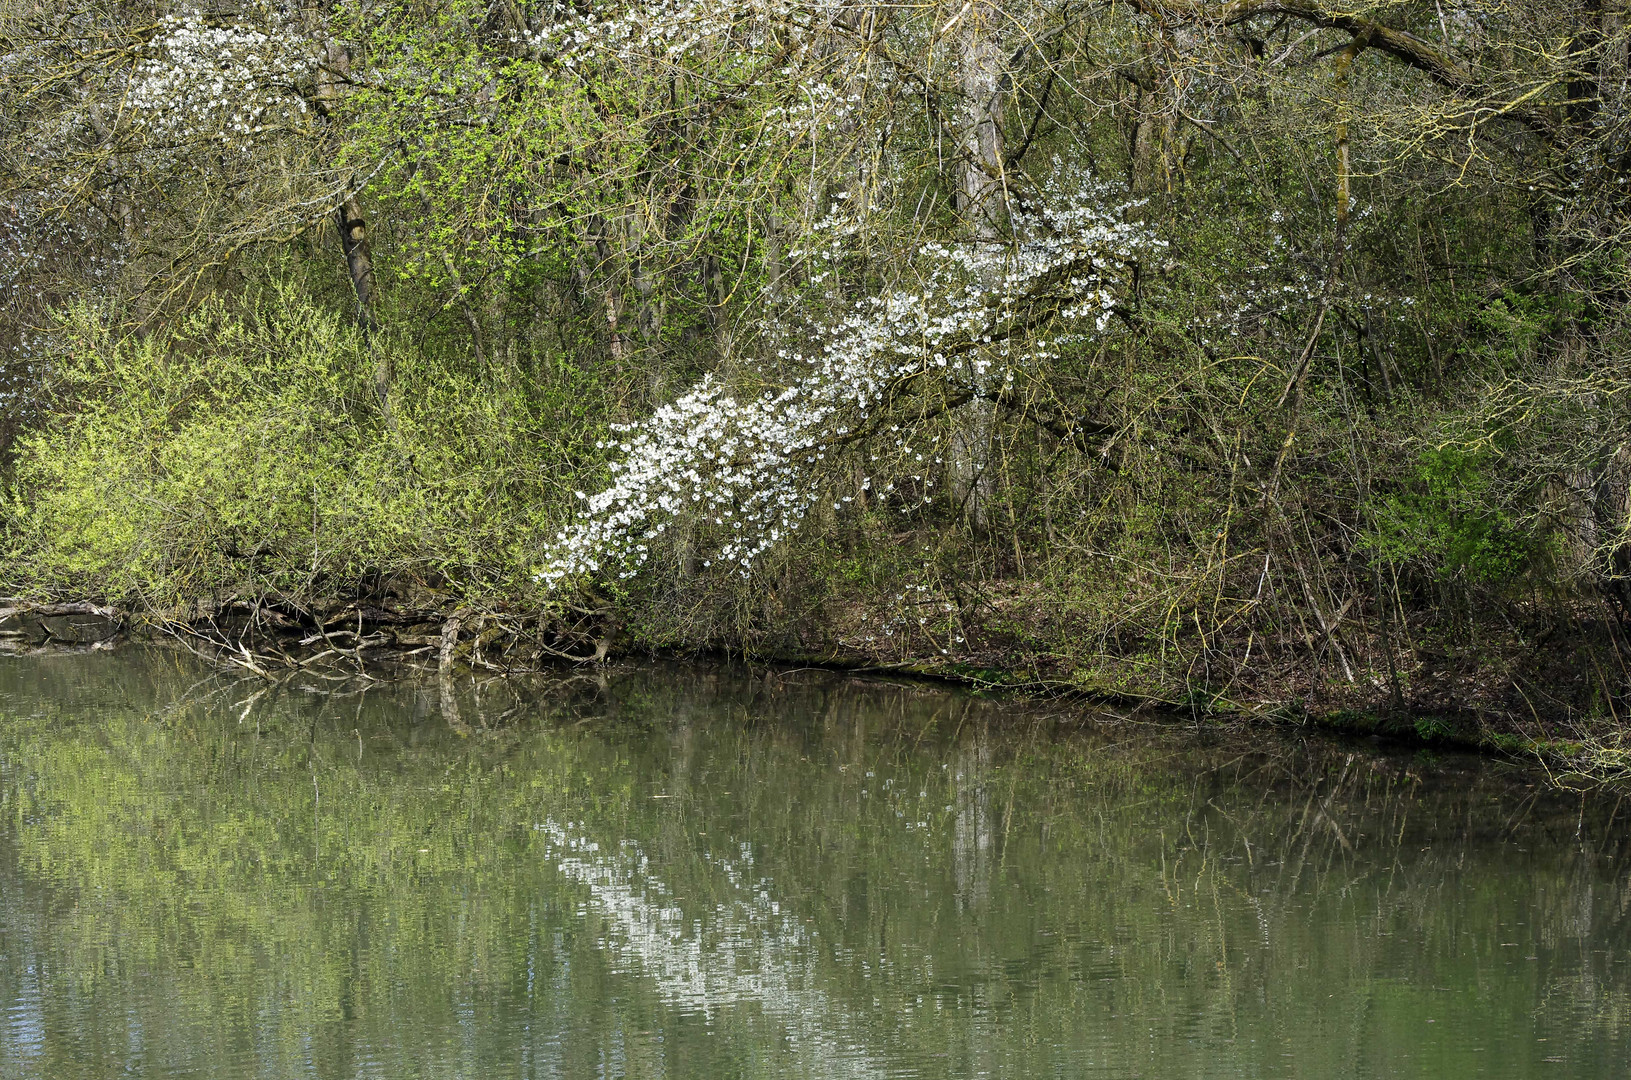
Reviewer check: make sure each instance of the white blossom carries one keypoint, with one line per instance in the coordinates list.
(225, 83)
(750, 463)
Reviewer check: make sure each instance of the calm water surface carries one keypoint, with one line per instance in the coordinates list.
(692, 872)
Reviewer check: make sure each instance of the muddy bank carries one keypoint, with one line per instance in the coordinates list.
(273, 641)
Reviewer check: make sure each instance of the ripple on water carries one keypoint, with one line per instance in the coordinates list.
(673, 872)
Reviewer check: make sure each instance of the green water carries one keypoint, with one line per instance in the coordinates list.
(692, 872)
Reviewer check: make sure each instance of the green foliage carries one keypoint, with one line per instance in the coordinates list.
(1514, 327)
(248, 450)
(568, 230)
(1444, 523)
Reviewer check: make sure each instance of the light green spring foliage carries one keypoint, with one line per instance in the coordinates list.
(569, 230)
(245, 453)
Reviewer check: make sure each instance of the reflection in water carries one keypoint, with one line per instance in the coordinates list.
(689, 872)
(971, 848)
(747, 952)
(25, 1020)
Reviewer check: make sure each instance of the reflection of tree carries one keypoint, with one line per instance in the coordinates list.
(1178, 897)
(971, 843)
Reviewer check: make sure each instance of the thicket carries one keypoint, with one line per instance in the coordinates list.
(1243, 354)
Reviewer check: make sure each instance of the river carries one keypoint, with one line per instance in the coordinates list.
(702, 871)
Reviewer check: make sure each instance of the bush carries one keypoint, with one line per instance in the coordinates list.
(248, 451)
(1444, 525)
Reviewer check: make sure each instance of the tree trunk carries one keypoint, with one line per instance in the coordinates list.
(984, 78)
(1152, 138)
(348, 215)
(358, 260)
(983, 201)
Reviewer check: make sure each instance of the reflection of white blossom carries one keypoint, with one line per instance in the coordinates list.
(746, 951)
(750, 465)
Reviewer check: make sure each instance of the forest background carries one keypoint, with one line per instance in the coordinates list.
(1261, 355)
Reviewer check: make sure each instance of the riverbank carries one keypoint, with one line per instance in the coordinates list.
(1435, 699)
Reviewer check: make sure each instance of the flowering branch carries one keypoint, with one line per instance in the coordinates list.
(751, 465)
